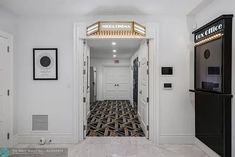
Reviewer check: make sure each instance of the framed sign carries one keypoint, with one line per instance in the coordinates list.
(116, 28)
(45, 64)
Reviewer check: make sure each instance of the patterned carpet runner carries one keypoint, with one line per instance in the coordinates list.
(113, 118)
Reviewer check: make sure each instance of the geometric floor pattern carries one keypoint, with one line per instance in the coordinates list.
(113, 118)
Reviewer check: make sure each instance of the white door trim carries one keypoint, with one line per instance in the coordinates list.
(154, 83)
(11, 88)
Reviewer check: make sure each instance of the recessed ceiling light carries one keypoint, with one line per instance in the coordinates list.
(114, 51)
(114, 43)
(114, 56)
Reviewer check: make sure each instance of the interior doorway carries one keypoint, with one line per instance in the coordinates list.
(6, 92)
(121, 104)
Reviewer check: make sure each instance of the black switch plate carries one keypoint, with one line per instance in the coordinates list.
(167, 85)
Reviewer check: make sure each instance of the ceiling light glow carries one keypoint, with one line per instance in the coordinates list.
(114, 43)
(114, 51)
(114, 56)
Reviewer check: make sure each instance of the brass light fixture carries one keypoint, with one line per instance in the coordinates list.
(116, 28)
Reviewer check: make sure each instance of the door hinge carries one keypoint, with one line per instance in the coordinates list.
(147, 127)
(84, 99)
(8, 136)
(148, 72)
(147, 99)
(84, 63)
(147, 42)
(84, 127)
(147, 63)
(84, 42)
(84, 72)
(8, 49)
(8, 92)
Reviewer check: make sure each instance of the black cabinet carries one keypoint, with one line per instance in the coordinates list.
(213, 121)
(213, 75)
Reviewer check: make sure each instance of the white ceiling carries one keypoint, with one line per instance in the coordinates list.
(102, 48)
(99, 7)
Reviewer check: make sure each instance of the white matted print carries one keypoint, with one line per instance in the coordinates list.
(45, 64)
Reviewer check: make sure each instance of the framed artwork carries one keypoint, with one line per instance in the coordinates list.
(45, 65)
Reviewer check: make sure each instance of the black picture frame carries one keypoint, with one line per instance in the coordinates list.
(55, 71)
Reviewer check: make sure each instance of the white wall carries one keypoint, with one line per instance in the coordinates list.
(176, 113)
(209, 13)
(99, 63)
(8, 21)
(53, 98)
(56, 97)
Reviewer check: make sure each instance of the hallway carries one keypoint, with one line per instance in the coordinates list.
(113, 118)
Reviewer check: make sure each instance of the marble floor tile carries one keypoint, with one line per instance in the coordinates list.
(123, 147)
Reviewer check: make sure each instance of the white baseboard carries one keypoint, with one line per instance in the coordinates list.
(88, 114)
(132, 103)
(143, 126)
(205, 148)
(15, 140)
(176, 139)
(66, 138)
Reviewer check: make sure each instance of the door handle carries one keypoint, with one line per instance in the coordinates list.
(140, 92)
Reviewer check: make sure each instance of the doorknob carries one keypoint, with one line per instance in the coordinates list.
(140, 92)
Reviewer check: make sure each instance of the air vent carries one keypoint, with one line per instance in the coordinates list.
(40, 122)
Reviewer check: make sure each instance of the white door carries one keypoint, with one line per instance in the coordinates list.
(86, 85)
(116, 84)
(143, 87)
(5, 91)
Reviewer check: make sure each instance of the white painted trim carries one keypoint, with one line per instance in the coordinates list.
(78, 80)
(65, 138)
(108, 37)
(233, 123)
(205, 148)
(75, 83)
(143, 126)
(177, 139)
(15, 140)
(11, 88)
(154, 83)
(88, 114)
